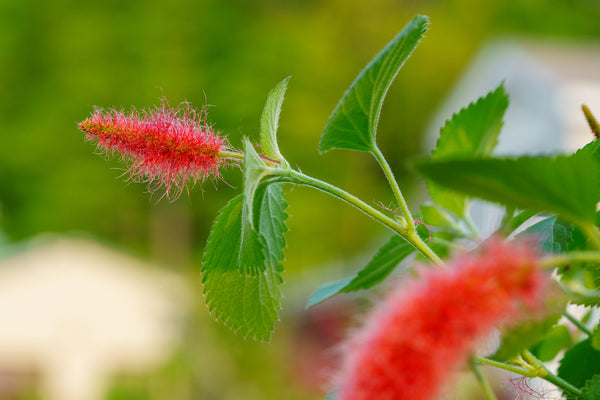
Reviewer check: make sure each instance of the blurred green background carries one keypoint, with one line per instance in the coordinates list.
(60, 58)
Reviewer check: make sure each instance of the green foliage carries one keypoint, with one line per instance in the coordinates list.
(435, 216)
(554, 341)
(580, 363)
(591, 390)
(514, 221)
(381, 265)
(246, 301)
(596, 338)
(269, 121)
(552, 236)
(523, 336)
(471, 132)
(353, 123)
(566, 186)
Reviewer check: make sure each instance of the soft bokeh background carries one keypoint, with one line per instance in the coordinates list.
(60, 58)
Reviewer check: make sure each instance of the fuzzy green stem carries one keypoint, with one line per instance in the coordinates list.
(507, 367)
(410, 223)
(577, 323)
(543, 372)
(232, 154)
(483, 381)
(296, 177)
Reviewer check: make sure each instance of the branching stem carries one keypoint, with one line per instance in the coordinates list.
(387, 171)
(412, 237)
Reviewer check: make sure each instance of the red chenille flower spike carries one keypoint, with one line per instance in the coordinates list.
(411, 346)
(166, 146)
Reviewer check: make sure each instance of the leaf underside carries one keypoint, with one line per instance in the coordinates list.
(566, 186)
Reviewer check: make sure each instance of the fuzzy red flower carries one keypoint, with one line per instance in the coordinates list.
(166, 146)
(412, 345)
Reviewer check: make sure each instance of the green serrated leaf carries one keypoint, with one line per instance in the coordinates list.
(269, 122)
(591, 390)
(555, 340)
(552, 235)
(246, 302)
(596, 338)
(473, 131)
(523, 336)
(566, 186)
(380, 266)
(353, 123)
(579, 364)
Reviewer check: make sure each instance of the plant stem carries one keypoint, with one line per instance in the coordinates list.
(577, 323)
(568, 258)
(410, 223)
(485, 384)
(543, 372)
(506, 367)
(471, 224)
(232, 154)
(412, 237)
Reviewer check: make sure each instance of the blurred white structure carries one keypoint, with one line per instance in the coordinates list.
(547, 83)
(77, 312)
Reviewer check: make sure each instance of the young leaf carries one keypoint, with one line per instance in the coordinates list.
(566, 186)
(472, 132)
(246, 302)
(386, 259)
(552, 236)
(580, 363)
(269, 121)
(353, 123)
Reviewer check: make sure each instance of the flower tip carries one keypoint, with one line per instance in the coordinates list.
(166, 147)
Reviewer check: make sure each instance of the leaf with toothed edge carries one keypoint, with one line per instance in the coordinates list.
(246, 302)
(567, 186)
(473, 131)
(353, 123)
(591, 390)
